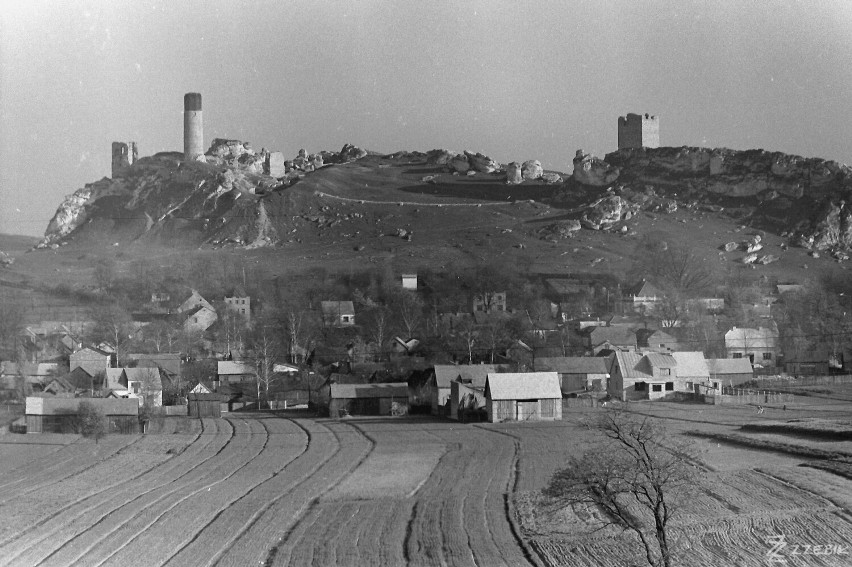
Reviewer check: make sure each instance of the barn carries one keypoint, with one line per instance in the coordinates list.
(368, 399)
(205, 405)
(523, 396)
(59, 415)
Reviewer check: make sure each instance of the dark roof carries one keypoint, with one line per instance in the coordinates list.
(192, 397)
(79, 378)
(391, 390)
(573, 364)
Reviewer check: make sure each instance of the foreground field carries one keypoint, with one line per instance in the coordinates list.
(268, 490)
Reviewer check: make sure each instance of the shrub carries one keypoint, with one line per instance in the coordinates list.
(91, 421)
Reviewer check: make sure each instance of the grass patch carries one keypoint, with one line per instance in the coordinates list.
(775, 446)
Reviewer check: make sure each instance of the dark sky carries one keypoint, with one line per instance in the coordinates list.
(515, 80)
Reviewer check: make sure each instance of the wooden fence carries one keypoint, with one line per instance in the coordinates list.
(744, 396)
(786, 381)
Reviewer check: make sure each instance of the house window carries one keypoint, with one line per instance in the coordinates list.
(669, 386)
(662, 345)
(640, 386)
(346, 318)
(657, 387)
(767, 356)
(689, 385)
(738, 355)
(665, 371)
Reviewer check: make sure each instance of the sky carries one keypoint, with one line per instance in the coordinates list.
(512, 79)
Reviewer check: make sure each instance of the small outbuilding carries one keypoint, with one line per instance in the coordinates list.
(523, 396)
(205, 405)
(368, 399)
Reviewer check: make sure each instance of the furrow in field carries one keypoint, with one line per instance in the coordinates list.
(34, 478)
(291, 492)
(63, 525)
(287, 444)
(126, 522)
(153, 536)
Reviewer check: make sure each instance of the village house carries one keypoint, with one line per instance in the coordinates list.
(194, 301)
(489, 302)
(144, 384)
(642, 297)
(651, 376)
(611, 339)
(198, 319)
(239, 303)
(655, 340)
(729, 372)
(409, 281)
(577, 373)
(234, 371)
(338, 313)
(759, 346)
(527, 396)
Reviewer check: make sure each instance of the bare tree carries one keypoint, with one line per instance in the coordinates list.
(11, 322)
(266, 346)
(379, 326)
(636, 480)
(409, 307)
(111, 324)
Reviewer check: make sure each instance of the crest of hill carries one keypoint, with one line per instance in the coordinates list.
(231, 200)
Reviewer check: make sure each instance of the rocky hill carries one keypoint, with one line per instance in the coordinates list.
(235, 199)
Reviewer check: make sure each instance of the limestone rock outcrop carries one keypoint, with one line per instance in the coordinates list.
(481, 163)
(833, 227)
(459, 163)
(608, 211)
(351, 153)
(591, 170)
(531, 170)
(439, 157)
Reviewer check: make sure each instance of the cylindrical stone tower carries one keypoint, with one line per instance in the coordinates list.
(193, 130)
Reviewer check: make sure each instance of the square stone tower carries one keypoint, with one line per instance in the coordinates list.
(124, 154)
(637, 131)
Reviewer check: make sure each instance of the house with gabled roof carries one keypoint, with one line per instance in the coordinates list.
(92, 359)
(198, 319)
(651, 376)
(234, 371)
(655, 340)
(577, 373)
(758, 345)
(523, 396)
(338, 313)
(729, 371)
(194, 301)
(643, 296)
(144, 384)
(614, 338)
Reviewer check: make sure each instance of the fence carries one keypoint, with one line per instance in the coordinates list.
(743, 396)
(786, 381)
(579, 403)
(174, 410)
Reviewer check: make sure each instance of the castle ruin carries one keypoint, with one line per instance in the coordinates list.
(638, 131)
(193, 128)
(124, 154)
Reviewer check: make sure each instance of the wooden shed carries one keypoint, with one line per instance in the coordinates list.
(523, 396)
(205, 405)
(59, 415)
(368, 399)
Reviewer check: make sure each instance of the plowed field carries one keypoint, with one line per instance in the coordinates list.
(262, 489)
